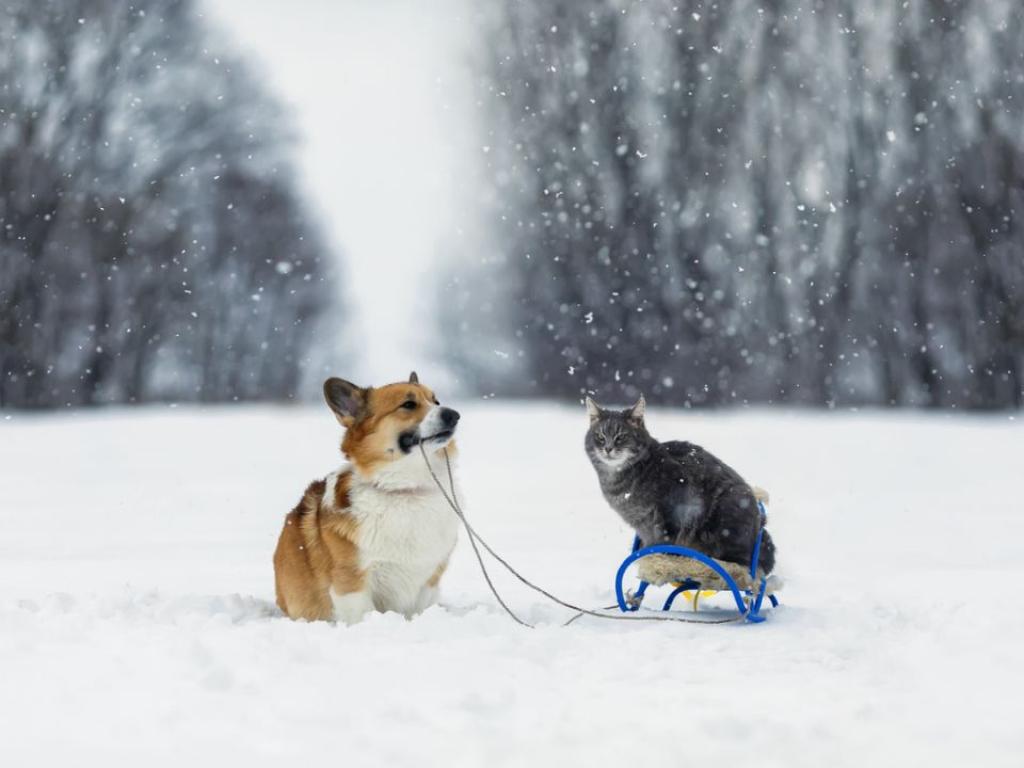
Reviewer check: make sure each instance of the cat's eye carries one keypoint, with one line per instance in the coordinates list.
(409, 405)
(598, 439)
(619, 441)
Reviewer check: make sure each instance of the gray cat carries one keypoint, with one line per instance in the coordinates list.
(674, 492)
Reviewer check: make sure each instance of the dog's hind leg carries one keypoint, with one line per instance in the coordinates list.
(298, 594)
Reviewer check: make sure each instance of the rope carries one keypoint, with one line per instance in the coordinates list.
(474, 537)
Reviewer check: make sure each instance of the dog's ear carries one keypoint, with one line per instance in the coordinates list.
(413, 378)
(593, 410)
(345, 399)
(636, 413)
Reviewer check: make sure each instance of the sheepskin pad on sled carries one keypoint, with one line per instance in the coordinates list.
(670, 569)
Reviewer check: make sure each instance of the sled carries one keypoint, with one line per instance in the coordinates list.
(689, 571)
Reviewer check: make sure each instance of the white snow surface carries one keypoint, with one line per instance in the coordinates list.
(137, 623)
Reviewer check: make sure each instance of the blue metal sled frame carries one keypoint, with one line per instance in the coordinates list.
(751, 612)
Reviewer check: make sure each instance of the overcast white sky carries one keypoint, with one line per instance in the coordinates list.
(378, 90)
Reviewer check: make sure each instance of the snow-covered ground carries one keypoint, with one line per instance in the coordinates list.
(137, 623)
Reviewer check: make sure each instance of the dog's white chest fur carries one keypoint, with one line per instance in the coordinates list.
(402, 539)
(404, 535)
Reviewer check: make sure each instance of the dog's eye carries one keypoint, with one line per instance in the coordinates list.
(409, 405)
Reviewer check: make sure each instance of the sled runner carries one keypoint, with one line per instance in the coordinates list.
(688, 570)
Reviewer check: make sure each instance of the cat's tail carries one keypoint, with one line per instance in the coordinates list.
(767, 556)
(762, 497)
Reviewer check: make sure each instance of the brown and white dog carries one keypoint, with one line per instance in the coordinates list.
(376, 534)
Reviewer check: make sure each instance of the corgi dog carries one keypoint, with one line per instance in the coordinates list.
(376, 534)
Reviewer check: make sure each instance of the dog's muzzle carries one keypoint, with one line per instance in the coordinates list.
(438, 427)
(448, 418)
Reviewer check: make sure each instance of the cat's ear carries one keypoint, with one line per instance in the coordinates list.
(345, 399)
(636, 413)
(593, 410)
(413, 378)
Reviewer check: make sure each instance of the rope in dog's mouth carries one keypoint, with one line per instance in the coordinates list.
(474, 539)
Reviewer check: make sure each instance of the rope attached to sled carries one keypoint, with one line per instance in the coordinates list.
(474, 537)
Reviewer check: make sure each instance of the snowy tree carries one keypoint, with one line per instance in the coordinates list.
(152, 245)
(731, 201)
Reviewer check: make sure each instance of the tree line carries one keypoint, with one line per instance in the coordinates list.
(736, 201)
(152, 242)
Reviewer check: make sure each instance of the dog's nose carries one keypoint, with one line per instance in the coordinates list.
(449, 417)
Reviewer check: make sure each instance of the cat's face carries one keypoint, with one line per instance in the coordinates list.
(615, 438)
